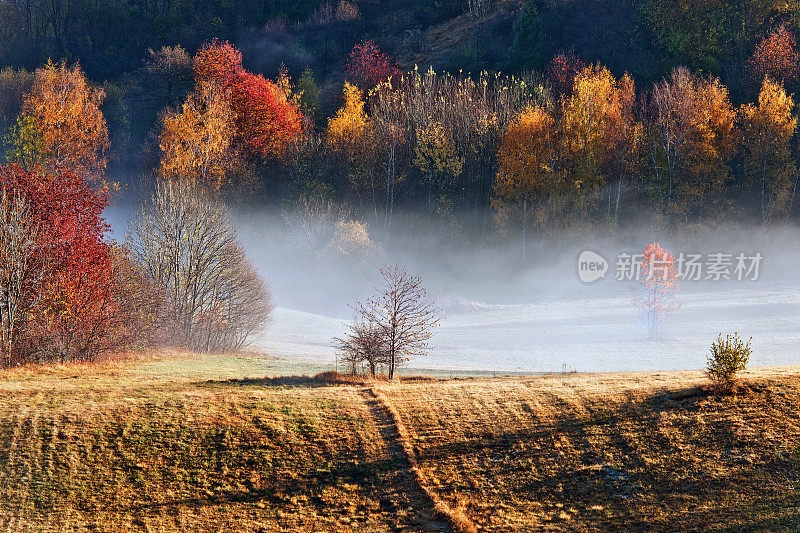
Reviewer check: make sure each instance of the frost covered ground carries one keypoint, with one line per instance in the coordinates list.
(588, 332)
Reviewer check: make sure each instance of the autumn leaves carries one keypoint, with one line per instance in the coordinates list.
(231, 114)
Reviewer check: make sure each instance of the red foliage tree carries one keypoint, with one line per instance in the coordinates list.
(55, 270)
(562, 71)
(265, 120)
(367, 66)
(775, 57)
(659, 286)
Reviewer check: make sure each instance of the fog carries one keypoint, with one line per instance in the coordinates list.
(503, 314)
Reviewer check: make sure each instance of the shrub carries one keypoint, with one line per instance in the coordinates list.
(728, 356)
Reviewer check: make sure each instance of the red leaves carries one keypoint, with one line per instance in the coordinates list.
(265, 119)
(563, 70)
(68, 286)
(367, 66)
(775, 57)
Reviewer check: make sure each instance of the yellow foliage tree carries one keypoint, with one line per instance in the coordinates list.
(693, 135)
(61, 121)
(350, 126)
(767, 130)
(436, 157)
(195, 142)
(351, 136)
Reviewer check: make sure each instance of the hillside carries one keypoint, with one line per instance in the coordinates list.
(184, 443)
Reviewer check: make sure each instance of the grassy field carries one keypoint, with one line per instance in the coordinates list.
(178, 442)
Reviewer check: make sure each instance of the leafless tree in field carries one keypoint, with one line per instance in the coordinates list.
(185, 242)
(403, 315)
(363, 345)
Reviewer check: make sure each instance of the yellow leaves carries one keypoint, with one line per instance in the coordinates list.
(195, 142)
(436, 153)
(350, 127)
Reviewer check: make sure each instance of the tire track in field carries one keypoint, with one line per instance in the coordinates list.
(398, 442)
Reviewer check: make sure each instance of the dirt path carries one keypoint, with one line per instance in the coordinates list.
(402, 489)
(398, 441)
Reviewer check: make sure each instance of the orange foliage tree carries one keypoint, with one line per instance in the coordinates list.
(767, 130)
(659, 285)
(196, 141)
(61, 121)
(692, 136)
(600, 130)
(528, 163)
(776, 57)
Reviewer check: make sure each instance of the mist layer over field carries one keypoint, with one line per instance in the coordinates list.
(537, 316)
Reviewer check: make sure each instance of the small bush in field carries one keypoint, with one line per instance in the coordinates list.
(728, 356)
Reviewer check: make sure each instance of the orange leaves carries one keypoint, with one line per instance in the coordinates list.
(64, 112)
(775, 56)
(525, 157)
(217, 62)
(196, 141)
(230, 109)
(659, 285)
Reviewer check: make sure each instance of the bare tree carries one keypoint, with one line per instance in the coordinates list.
(402, 314)
(363, 345)
(185, 242)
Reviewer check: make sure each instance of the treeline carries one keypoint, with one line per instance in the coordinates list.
(575, 149)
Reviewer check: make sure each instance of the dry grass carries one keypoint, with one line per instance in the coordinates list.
(601, 452)
(190, 443)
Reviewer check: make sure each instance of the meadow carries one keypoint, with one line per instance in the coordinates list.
(182, 442)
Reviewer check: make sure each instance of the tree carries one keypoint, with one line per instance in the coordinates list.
(363, 344)
(767, 130)
(692, 136)
(195, 142)
(562, 71)
(266, 121)
(55, 277)
(436, 157)
(402, 314)
(727, 358)
(526, 52)
(658, 286)
(528, 160)
(61, 116)
(186, 244)
(600, 130)
(775, 57)
(367, 66)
